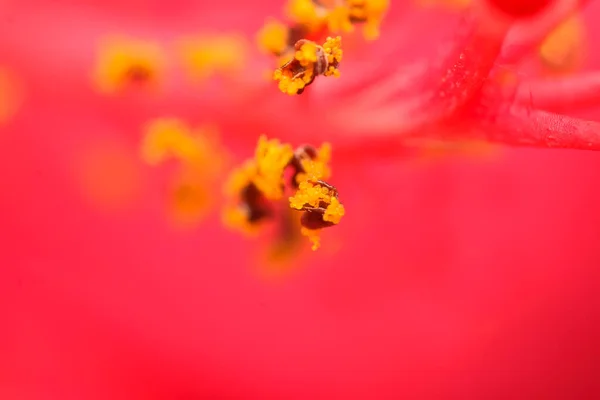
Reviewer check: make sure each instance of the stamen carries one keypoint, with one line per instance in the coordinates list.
(310, 61)
(255, 188)
(303, 59)
(306, 13)
(274, 37)
(123, 62)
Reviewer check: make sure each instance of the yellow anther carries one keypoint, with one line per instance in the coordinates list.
(341, 19)
(307, 55)
(305, 12)
(122, 62)
(271, 159)
(564, 49)
(316, 168)
(313, 195)
(262, 181)
(310, 60)
(373, 12)
(273, 37)
(334, 211)
(205, 57)
(333, 50)
(338, 20)
(236, 215)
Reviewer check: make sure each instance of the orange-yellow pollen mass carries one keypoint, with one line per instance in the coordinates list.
(310, 60)
(273, 37)
(123, 62)
(306, 12)
(259, 184)
(301, 60)
(271, 159)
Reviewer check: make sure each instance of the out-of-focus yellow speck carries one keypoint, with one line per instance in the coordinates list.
(207, 56)
(433, 151)
(11, 95)
(123, 62)
(564, 50)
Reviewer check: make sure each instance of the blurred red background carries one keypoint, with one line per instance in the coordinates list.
(456, 277)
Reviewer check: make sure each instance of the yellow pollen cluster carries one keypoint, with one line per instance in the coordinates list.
(201, 162)
(316, 168)
(271, 159)
(338, 16)
(370, 12)
(259, 184)
(261, 175)
(315, 196)
(295, 43)
(306, 13)
(205, 57)
(122, 62)
(310, 60)
(273, 37)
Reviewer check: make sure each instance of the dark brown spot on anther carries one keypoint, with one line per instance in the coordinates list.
(302, 153)
(331, 188)
(306, 151)
(255, 204)
(313, 219)
(295, 34)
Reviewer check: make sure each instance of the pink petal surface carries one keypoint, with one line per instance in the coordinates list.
(462, 278)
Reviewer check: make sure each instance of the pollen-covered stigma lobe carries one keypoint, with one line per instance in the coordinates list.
(296, 44)
(257, 190)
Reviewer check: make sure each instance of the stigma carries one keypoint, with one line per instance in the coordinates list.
(257, 190)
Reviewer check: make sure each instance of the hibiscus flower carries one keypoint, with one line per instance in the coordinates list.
(464, 262)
